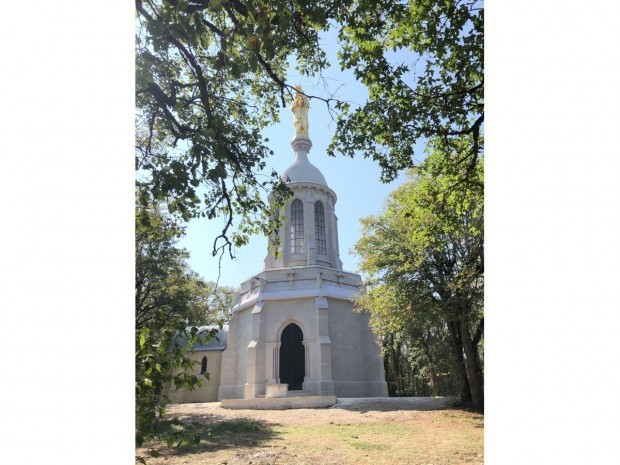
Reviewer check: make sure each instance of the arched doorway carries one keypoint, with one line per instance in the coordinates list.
(292, 357)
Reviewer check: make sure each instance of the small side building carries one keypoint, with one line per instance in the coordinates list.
(209, 358)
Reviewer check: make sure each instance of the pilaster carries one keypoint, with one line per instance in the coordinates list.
(255, 380)
(322, 351)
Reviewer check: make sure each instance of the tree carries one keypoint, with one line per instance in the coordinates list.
(415, 341)
(424, 256)
(171, 301)
(422, 63)
(220, 301)
(210, 75)
(166, 289)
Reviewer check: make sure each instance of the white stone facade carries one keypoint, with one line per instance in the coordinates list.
(302, 287)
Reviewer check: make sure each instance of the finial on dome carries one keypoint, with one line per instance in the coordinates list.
(300, 107)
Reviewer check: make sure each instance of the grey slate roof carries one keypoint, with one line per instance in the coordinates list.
(219, 342)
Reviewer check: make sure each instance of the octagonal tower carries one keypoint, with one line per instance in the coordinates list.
(294, 325)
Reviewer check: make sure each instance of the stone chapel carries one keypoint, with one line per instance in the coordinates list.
(293, 330)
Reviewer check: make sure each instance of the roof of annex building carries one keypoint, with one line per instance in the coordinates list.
(219, 342)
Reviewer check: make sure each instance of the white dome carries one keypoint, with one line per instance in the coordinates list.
(303, 171)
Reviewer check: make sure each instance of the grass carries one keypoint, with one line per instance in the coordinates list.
(441, 440)
(444, 437)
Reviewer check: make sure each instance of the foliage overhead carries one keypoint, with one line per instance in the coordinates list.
(422, 63)
(210, 75)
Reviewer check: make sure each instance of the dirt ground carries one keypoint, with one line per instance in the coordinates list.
(357, 431)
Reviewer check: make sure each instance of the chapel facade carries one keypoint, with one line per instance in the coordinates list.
(294, 323)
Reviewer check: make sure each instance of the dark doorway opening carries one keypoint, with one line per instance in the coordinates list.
(292, 357)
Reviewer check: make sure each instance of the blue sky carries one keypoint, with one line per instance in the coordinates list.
(355, 181)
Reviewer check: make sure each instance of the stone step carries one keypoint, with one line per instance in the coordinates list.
(300, 394)
(308, 401)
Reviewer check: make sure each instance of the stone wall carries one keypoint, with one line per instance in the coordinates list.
(357, 366)
(208, 392)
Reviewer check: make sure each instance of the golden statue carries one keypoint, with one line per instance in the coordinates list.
(300, 107)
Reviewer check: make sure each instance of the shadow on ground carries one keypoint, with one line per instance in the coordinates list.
(216, 433)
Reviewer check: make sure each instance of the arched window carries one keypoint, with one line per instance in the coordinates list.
(319, 228)
(297, 226)
(203, 366)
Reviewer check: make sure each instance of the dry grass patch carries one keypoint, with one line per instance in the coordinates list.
(328, 436)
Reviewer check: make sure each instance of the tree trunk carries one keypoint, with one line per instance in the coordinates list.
(476, 383)
(410, 378)
(395, 356)
(399, 377)
(459, 361)
(431, 367)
